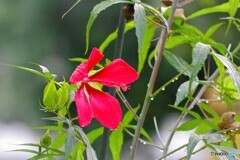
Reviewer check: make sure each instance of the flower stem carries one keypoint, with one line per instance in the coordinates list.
(117, 54)
(159, 52)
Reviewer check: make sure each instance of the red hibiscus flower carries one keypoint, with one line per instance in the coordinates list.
(92, 102)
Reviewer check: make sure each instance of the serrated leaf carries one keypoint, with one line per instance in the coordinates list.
(94, 134)
(177, 62)
(111, 37)
(140, 27)
(91, 155)
(231, 69)
(94, 13)
(116, 142)
(189, 125)
(209, 110)
(219, 8)
(142, 54)
(183, 91)
(192, 142)
(128, 117)
(212, 30)
(70, 142)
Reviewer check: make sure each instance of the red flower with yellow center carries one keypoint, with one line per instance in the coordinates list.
(92, 102)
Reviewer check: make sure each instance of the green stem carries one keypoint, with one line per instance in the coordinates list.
(169, 82)
(175, 150)
(117, 54)
(159, 52)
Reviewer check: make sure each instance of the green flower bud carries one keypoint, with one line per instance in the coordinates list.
(46, 140)
(55, 98)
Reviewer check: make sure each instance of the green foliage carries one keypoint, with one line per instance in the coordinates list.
(111, 37)
(225, 7)
(177, 62)
(192, 142)
(116, 142)
(183, 91)
(142, 51)
(94, 13)
(70, 142)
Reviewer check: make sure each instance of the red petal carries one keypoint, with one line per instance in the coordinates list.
(84, 109)
(106, 108)
(79, 74)
(95, 57)
(82, 70)
(116, 74)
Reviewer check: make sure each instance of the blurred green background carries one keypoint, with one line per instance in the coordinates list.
(33, 31)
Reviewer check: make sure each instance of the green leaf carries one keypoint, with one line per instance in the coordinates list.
(142, 54)
(183, 91)
(231, 69)
(192, 113)
(91, 155)
(209, 110)
(212, 30)
(24, 150)
(140, 25)
(205, 126)
(128, 117)
(199, 56)
(26, 69)
(192, 142)
(116, 142)
(94, 134)
(77, 153)
(177, 62)
(94, 13)
(233, 7)
(177, 40)
(111, 37)
(53, 128)
(61, 119)
(189, 125)
(59, 141)
(158, 14)
(142, 132)
(225, 7)
(70, 142)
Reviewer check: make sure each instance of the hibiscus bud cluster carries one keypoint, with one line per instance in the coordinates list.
(55, 96)
(46, 140)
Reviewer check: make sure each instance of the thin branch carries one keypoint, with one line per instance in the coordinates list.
(144, 141)
(157, 130)
(127, 104)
